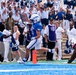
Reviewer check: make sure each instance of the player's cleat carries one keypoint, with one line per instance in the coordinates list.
(19, 60)
(23, 61)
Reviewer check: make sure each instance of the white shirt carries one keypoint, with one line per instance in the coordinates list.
(7, 33)
(21, 23)
(74, 18)
(34, 11)
(16, 17)
(2, 9)
(57, 5)
(4, 17)
(13, 11)
(71, 33)
(39, 13)
(26, 11)
(44, 14)
(59, 31)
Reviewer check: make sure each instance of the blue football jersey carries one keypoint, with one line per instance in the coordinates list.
(35, 27)
(1, 36)
(0, 33)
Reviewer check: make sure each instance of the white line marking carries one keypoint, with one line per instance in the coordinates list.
(22, 70)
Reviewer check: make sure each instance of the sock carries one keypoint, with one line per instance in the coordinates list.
(14, 59)
(53, 50)
(24, 59)
(20, 58)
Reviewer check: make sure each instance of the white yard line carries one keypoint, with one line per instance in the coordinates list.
(50, 69)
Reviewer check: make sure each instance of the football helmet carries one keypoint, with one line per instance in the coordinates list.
(35, 18)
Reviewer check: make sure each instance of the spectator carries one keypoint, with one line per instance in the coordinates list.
(44, 16)
(56, 5)
(74, 18)
(10, 21)
(4, 16)
(22, 3)
(16, 17)
(49, 3)
(68, 17)
(60, 16)
(51, 15)
(25, 10)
